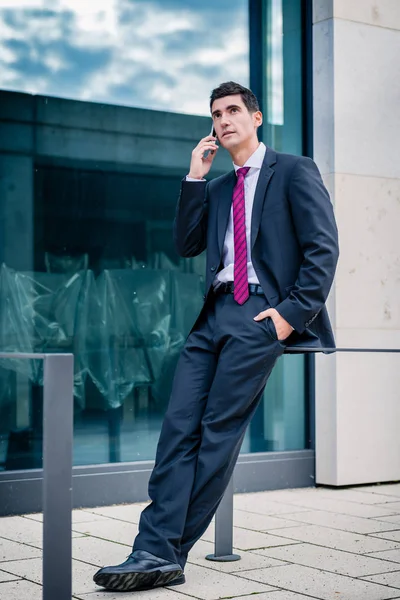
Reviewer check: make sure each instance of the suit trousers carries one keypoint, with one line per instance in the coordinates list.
(218, 383)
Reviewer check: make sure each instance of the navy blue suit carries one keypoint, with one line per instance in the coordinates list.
(228, 357)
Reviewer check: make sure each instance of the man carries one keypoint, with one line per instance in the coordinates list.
(271, 240)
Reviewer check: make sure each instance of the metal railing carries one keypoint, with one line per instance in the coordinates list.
(223, 542)
(58, 406)
(57, 473)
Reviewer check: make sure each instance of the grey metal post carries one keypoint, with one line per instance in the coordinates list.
(224, 529)
(57, 476)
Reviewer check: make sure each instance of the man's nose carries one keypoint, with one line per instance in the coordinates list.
(225, 120)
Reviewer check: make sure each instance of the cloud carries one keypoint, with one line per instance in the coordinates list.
(165, 55)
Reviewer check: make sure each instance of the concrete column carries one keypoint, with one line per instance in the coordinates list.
(357, 147)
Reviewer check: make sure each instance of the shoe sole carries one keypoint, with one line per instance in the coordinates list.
(139, 581)
(177, 581)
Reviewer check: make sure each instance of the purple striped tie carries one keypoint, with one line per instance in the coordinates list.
(241, 283)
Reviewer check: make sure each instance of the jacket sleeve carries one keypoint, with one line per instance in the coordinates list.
(191, 217)
(317, 234)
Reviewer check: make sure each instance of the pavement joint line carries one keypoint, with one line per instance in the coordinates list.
(110, 517)
(305, 523)
(378, 551)
(16, 560)
(22, 578)
(296, 543)
(97, 537)
(343, 530)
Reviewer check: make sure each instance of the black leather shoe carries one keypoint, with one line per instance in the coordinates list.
(141, 571)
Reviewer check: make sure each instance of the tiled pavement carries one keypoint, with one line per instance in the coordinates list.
(295, 544)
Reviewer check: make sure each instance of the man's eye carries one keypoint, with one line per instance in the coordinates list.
(234, 110)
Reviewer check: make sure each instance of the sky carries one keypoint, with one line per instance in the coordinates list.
(157, 54)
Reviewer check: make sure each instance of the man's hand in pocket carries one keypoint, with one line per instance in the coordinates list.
(283, 328)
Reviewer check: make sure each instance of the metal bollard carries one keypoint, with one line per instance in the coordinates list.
(224, 529)
(58, 406)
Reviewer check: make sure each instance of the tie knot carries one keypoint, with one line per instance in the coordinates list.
(242, 172)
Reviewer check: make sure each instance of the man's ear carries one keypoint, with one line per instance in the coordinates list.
(257, 118)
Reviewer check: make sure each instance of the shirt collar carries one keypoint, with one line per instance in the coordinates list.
(256, 159)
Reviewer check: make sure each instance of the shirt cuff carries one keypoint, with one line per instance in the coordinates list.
(191, 179)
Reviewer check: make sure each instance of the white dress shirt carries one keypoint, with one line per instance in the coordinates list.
(255, 162)
(250, 183)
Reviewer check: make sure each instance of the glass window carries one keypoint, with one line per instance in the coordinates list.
(283, 85)
(280, 421)
(100, 108)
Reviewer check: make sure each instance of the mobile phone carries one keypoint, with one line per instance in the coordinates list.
(213, 133)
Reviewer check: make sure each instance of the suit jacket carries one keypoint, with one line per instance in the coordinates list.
(294, 239)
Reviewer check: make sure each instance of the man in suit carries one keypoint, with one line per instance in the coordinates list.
(269, 231)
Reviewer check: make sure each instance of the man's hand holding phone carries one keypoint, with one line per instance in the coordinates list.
(203, 156)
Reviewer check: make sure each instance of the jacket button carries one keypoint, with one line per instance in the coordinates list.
(213, 268)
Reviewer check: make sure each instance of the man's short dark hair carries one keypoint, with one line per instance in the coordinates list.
(230, 88)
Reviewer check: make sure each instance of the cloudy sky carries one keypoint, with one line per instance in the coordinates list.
(158, 54)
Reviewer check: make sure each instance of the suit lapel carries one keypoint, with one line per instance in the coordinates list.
(260, 193)
(225, 195)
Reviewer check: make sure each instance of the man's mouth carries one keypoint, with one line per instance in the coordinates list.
(227, 133)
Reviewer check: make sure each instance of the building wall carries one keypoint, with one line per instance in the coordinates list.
(357, 146)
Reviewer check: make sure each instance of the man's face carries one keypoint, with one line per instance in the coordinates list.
(234, 125)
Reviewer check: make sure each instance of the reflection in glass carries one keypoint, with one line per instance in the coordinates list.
(283, 110)
(159, 54)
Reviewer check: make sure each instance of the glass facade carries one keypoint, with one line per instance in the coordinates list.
(99, 111)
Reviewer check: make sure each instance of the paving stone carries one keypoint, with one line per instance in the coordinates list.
(208, 584)
(248, 561)
(20, 590)
(390, 519)
(25, 531)
(6, 577)
(99, 553)
(15, 551)
(22, 530)
(358, 495)
(391, 579)
(124, 512)
(257, 522)
(111, 529)
(338, 521)
(245, 539)
(262, 505)
(82, 573)
(335, 538)
(330, 504)
(388, 489)
(392, 503)
(201, 549)
(320, 584)
(328, 559)
(157, 594)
